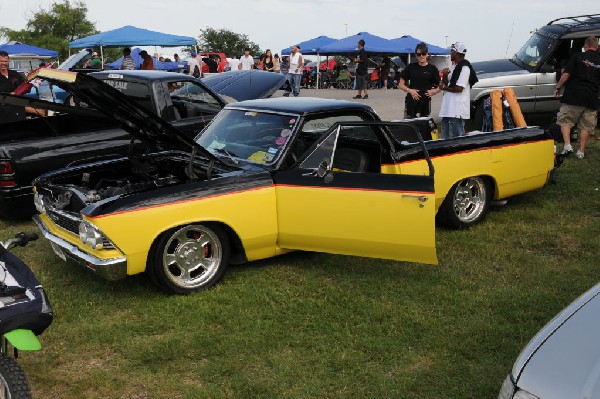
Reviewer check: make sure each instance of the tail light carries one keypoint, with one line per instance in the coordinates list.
(7, 174)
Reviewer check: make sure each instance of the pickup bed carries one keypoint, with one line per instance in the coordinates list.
(79, 133)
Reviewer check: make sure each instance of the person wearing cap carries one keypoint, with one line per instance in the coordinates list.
(148, 62)
(194, 67)
(246, 61)
(96, 61)
(128, 62)
(294, 76)
(423, 80)
(456, 85)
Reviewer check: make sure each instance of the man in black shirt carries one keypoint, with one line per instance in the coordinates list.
(9, 81)
(424, 79)
(361, 70)
(581, 79)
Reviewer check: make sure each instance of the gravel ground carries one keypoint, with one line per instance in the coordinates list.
(389, 104)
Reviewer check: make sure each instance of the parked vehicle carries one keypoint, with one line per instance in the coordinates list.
(562, 359)
(24, 314)
(270, 176)
(535, 69)
(31, 147)
(220, 58)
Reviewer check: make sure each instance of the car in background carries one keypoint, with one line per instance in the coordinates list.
(535, 69)
(563, 359)
(48, 92)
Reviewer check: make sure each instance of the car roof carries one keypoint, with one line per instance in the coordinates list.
(300, 105)
(578, 26)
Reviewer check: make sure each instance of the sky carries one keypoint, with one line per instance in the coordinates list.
(490, 29)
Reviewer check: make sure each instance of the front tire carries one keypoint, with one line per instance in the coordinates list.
(466, 204)
(190, 258)
(13, 382)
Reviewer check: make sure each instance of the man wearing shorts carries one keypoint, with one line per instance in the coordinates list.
(361, 70)
(581, 79)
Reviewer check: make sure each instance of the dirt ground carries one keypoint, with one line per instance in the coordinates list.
(389, 104)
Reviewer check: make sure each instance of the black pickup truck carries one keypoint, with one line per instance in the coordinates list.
(77, 133)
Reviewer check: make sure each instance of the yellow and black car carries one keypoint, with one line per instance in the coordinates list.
(270, 176)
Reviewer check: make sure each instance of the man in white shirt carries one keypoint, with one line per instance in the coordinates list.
(294, 76)
(192, 64)
(234, 63)
(456, 85)
(247, 61)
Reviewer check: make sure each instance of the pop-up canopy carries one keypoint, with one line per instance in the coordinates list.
(15, 49)
(128, 36)
(312, 46)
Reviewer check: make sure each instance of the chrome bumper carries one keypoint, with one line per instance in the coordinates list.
(109, 269)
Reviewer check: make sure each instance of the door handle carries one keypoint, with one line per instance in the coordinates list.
(421, 198)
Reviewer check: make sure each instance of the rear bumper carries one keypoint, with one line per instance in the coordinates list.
(109, 269)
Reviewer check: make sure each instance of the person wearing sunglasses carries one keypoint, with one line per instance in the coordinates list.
(423, 79)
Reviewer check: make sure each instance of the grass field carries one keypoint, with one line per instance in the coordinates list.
(309, 325)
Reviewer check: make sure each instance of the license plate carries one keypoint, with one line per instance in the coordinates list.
(58, 251)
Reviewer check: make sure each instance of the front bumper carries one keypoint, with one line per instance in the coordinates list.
(109, 269)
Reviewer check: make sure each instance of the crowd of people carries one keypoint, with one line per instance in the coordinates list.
(421, 80)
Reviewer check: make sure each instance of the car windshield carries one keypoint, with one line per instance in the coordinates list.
(535, 50)
(258, 137)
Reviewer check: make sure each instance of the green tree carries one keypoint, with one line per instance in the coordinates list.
(53, 29)
(226, 41)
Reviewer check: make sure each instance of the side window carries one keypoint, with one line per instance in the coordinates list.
(357, 149)
(191, 100)
(134, 90)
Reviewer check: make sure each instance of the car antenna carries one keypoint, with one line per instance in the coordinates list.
(509, 37)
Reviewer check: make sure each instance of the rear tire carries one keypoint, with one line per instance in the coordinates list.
(466, 204)
(189, 258)
(13, 381)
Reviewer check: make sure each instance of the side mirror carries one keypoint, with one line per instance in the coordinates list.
(322, 170)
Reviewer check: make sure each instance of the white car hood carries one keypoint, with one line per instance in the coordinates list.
(563, 359)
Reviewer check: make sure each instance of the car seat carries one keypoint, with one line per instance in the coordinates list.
(350, 160)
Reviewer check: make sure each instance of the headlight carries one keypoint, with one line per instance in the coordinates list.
(90, 235)
(37, 201)
(510, 391)
(522, 394)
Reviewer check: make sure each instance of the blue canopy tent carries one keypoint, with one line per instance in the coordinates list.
(349, 45)
(22, 49)
(161, 66)
(406, 44)
(312, 46)
(129, 36)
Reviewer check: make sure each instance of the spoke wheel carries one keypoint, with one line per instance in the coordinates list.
(466, 204)
(190, 258)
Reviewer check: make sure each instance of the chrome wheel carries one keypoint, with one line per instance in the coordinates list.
(192, 257)
(470, 199)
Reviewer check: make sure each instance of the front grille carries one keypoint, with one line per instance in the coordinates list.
(65, 221)
(70, 223)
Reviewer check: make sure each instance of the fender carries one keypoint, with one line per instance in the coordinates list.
(24, 340)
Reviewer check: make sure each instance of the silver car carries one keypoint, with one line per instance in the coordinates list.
(534, 70)
(563, 359)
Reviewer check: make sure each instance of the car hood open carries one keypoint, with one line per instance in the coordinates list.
(132, 117)
(245, 85)
(563, 359)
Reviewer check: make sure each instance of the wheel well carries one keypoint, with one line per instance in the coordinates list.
(238, 254)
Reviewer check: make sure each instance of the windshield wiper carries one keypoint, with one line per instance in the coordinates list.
(231, 155)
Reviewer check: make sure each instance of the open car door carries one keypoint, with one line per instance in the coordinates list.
(336, 199)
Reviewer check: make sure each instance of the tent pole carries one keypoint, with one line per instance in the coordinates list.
(318, 69)
(102, 56)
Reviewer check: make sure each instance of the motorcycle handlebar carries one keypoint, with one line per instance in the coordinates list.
(20, 240)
